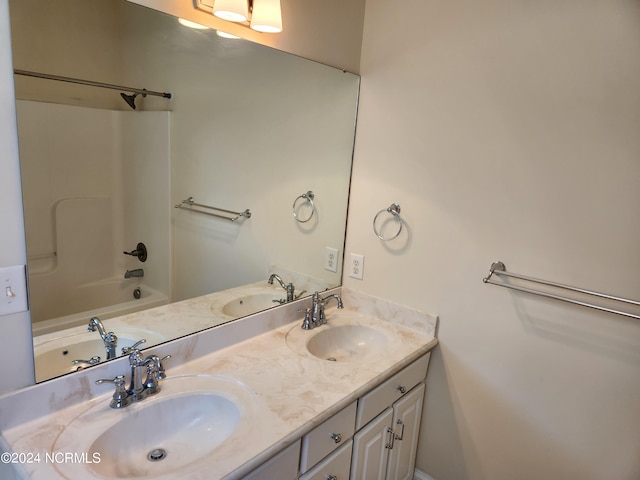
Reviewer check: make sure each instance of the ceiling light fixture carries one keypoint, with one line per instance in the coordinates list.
(260, 15)
(266, 16)
(231, 10)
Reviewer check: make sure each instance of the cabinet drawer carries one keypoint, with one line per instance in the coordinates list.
(374, 402)
(327, 436)
(283, 466)
(335, 467)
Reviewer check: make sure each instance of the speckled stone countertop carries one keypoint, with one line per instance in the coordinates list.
(292, 390)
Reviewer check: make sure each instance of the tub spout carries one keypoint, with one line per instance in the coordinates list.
(138, 272)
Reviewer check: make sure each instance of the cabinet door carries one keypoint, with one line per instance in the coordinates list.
(406, 427)
(371, 449)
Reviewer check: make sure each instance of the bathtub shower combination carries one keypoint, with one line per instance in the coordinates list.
(85, 214)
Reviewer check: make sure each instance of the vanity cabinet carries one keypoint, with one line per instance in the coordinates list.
(335, 467)
(327, 436)
(374, 438)
(388, 424)
(386, 447)
(284, 466)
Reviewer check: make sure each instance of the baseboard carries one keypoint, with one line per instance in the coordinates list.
(419, 475)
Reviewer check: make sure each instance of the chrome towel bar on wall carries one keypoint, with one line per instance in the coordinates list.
(499, 269)
(189, 203)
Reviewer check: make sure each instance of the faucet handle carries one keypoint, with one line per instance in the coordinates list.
(161, 374)
(121, 397)
(91, 361)
(307, 323)
(128, 350)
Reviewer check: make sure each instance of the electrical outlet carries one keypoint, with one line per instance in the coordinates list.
(331, 259)
(356, 266)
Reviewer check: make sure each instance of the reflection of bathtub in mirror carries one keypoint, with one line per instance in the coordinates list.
(88, 299)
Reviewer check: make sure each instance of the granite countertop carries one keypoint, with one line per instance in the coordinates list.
(293, 390)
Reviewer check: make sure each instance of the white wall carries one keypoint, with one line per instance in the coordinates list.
(509, 130)
(16, 349)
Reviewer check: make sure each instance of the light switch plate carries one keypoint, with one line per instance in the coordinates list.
(13, 290)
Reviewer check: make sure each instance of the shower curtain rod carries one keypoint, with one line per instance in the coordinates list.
(91, 83)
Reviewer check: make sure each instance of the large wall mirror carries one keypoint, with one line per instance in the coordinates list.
(247, 127)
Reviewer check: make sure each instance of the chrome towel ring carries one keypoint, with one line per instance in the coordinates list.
(394, 210)
(308, 197)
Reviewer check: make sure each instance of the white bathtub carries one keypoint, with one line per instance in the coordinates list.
(111, 298)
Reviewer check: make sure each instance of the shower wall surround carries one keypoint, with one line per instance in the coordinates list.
(98, 194)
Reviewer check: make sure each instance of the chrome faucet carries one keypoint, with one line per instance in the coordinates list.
(138, 272)
(315, 315)
(288, 287)
(109, 338)
(146, 374)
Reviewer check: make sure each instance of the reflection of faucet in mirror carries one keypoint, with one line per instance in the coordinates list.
(288, 287)
(110, 339)
(138, 272)
(81, 363)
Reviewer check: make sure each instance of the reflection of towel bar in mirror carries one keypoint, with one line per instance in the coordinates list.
(189, 203)
(499, 269)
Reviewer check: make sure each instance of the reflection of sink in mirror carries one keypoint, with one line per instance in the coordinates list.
(166, 435)
(55, 357)
(247, 300)
(249, 304)
(346, 337)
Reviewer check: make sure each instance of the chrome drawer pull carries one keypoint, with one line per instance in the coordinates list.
(401, 389)
(392, 437)
(337, 438)
(399, 437)
(331, 477)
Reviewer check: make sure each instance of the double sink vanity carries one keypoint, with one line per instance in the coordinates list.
(258, 398)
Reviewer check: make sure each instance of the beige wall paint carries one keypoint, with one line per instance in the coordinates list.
(328, 32)
(509, 130)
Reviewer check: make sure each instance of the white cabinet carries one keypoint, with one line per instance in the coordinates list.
(374, 438)
(327, 436)
(386, 447)
(407, 413)
(284, 466)
(370, 449)
(335, 467)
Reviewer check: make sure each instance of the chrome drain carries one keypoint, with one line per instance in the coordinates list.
(157, 454)
(331, 359)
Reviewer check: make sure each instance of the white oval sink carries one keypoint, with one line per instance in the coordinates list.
(344, 342)
(163, 436)
(248, 304)
(55, 357)
(346, 337)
